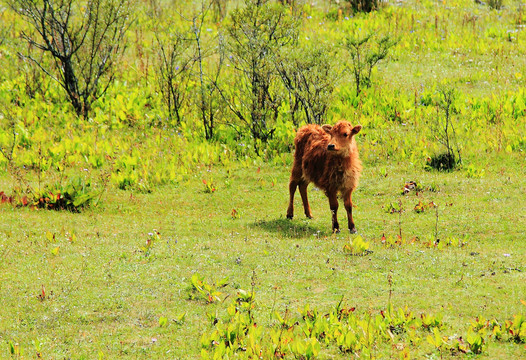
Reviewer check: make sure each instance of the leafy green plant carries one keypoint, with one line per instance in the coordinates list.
(238, 333)
(163, 321)
(392, 242)
(209, 186)
(430, 322)
(516, 328)
(496, 330)
(450, 242)
(15, 350)
(305, 348)
(356, 246)
(473, 172)
(350, 332)
(475, 342)
(179, 320)
(433, 188)
(125, 179)
(152, 238)
(437, 339)
(74, 196)
(393, 208)
(401, 320)
(421, 207)
(201, 290)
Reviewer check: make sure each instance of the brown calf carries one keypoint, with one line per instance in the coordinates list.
(328, 157)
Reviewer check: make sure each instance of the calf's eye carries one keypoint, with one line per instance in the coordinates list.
(345, 135)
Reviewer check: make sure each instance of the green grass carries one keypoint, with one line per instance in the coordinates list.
(111, 294)
(104, 296)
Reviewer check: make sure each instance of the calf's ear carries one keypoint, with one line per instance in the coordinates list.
(355, 130)
(327, 128)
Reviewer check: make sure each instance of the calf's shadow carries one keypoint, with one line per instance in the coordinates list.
(290, 228)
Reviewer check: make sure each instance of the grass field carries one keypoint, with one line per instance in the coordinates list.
(104, 297)
(186, 251)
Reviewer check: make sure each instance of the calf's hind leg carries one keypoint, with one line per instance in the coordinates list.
(333, 203)
(303, 191)
(293, 184)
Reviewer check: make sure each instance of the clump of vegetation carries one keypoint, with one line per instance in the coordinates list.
(346, 329)
(153, 237)
(444, 161)
(444, 130)
(202, 290)
(495, 4)
(365, 5)
(357, 246)
(74, 196)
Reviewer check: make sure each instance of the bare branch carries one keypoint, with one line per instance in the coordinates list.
(37, 63)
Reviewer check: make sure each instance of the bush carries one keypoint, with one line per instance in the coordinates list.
(74, 196)
(443, 162)
(495, 4)
(364, 5)
(444, 130)
(366, 52)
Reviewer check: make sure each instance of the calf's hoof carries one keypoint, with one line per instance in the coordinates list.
(289, 217)
(353, 230)
(335, 231)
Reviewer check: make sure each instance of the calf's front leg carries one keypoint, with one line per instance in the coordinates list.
(347, 202)
(293, 184)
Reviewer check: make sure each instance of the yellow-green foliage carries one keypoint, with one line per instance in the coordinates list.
(473, 49)
(305, 333)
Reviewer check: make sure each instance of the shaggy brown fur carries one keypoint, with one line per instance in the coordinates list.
(328, 157)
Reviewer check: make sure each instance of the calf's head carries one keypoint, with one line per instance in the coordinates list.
(342, 136)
